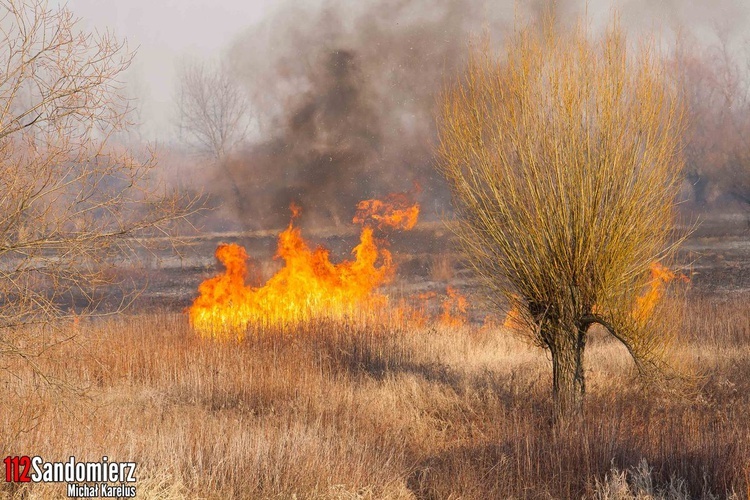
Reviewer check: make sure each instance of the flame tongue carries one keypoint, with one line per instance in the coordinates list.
(395, 212)
(644, 304)
(220, 303)
(308, 286)
(454, 308)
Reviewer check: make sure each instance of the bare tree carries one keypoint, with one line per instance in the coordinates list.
(717, 100)
(71, 198)
(214, 117)
(563, 160)
(735, 170)
(213, 109)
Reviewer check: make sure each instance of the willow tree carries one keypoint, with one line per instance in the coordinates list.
(563, 159)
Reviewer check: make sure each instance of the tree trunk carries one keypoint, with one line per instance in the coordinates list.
(568, 384)
(239, 199)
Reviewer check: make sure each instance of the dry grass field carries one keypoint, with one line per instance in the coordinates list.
(378, 409)
(148, 282)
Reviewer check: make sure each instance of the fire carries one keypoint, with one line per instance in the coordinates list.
(422, 309)
(513, 320)
(660, 277)
(308, 286)
(454, 308)
(644, 306)
(396, 212)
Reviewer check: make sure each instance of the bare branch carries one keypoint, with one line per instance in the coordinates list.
(213, 109)
(73, 201)
(563, 159)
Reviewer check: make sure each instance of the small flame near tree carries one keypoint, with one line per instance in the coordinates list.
(309, 285)
(645, 304)
(661, 276)
(419, 310)
(454, 308)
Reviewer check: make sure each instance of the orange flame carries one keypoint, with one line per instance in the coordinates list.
(645, 304)
(308, 286)
(454, 308)
(660, 277)
(513, 320)
(396, 212)
(406, 313)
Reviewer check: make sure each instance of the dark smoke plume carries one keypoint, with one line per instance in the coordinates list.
(346, 94)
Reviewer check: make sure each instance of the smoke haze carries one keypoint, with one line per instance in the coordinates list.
(345, 95)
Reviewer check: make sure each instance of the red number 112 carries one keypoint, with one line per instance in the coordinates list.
(13, 472)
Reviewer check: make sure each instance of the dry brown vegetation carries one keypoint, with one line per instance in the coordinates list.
(563, 158)
(357, 409)
(73, 198)
(377, 411)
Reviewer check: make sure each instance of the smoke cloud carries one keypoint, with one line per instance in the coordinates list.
(345, 95)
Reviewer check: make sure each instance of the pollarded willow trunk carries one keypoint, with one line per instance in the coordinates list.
(568, 383)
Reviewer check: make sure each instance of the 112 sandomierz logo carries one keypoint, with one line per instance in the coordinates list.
(85, 479)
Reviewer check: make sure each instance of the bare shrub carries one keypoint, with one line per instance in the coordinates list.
(563, 160)
(72, 197)
(74, 200)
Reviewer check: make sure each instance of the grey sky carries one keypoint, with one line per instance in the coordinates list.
(165, 32)
(169, 31)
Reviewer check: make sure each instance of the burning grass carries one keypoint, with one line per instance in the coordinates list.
(345, 409)
(309, 286)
